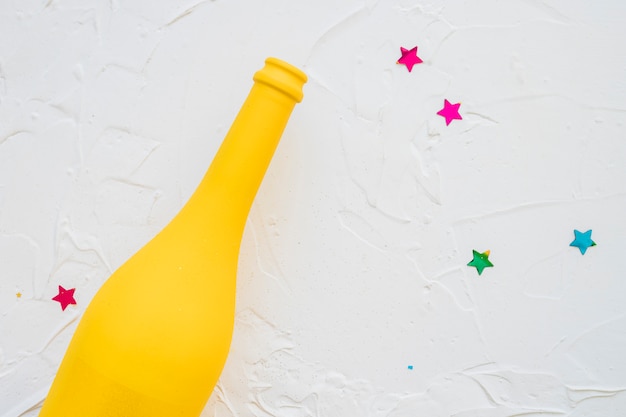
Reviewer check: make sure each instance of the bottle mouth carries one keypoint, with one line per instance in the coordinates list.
(282, 76)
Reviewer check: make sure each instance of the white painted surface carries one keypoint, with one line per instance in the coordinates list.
(353, 264)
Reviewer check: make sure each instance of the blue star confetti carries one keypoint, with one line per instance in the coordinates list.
(582, 240)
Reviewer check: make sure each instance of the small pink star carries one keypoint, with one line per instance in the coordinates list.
(409, 58)
(65, 297)
(450, 111)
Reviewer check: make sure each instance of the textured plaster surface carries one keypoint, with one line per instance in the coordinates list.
(354, 295)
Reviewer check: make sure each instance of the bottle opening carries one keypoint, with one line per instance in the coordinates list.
(282, 76)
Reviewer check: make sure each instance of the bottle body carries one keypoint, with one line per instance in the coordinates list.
(154, 339)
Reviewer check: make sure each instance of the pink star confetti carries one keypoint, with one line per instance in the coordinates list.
(409, 58)
(450, 111)
(65, 297)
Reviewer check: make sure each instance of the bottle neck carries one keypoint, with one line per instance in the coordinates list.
(226, 192)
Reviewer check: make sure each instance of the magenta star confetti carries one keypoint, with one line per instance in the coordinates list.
(409, 57)
(65, 297)
(450, 111)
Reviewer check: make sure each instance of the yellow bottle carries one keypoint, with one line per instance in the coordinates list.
(154, 339)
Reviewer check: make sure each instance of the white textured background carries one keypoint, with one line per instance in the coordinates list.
(353, 264)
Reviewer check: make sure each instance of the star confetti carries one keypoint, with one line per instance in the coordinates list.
(65, 297)
(450, 111)
(480, 261)
(582, 240)
(409, 58)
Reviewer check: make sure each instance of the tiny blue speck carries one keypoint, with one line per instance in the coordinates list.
(410, 366)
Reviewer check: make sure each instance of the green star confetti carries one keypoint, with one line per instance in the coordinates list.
(480, 261)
